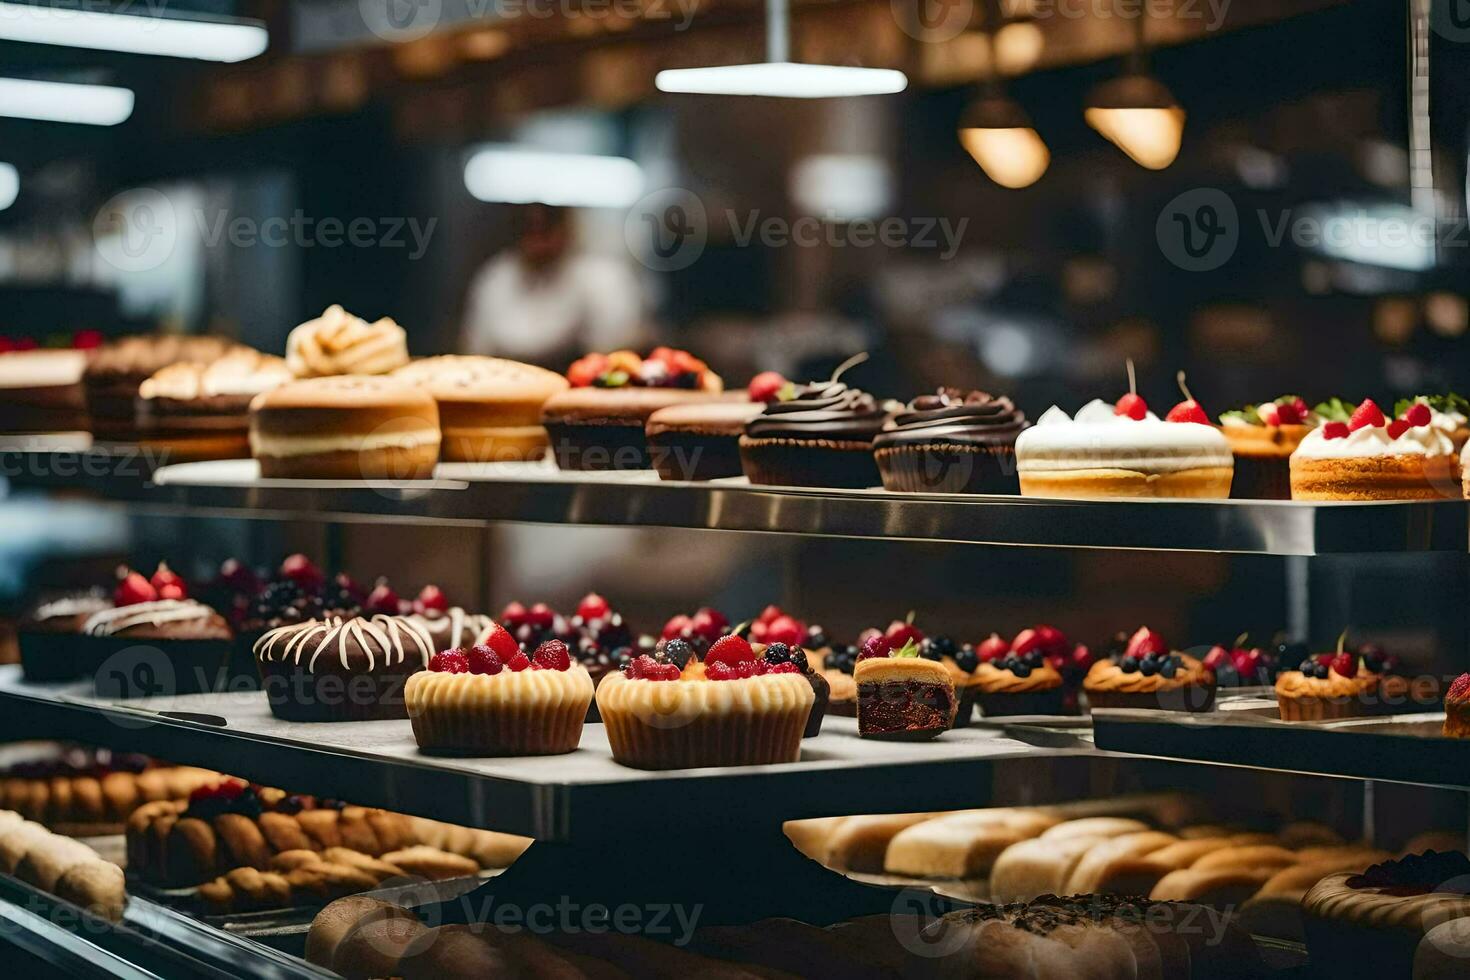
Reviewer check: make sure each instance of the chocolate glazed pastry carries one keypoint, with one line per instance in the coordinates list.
(821, 437)
(336, 670)
(951, 442)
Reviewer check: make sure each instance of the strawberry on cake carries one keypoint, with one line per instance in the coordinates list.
(1457, 708)
(1124, 450)
(492, 699)
(735, 708)
(1371, 457)
(1262, 438)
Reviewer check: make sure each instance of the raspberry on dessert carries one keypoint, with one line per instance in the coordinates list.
(483, 659)
(1285, 414)
(729, 649)
(593, 606)
(1335, 430)
(450, 662)
(1397, 428)
(993, 648)
(903, 631)
(1460, 687)
(677, 626)
(644, 667)
(541, 615)
(300, 569)
(499, 640)
(721, 672)
(167, 583)
(875, 646)
(708, 624)
(431, 599)
(132, 589)
(785, 668)
(1366, 415)
(513, 615)
(1418, 415)
(518, 663)
(785, 629)
(383, 599)
(552, 655)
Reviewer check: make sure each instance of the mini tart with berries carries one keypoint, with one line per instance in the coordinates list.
(1147, 674)
(494, 700)
(900, 695)
(1457, 708)
(1262, 438)
(735, 709)
(1370, 457)
(1371, 924)
(1011, 687)
(1326, 686)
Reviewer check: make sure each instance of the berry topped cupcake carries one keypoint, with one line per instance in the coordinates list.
(492, 699)
(1263, 437)
(596, 634)
(1147, 674)
(1037, 673)
(1326, 686)
(900, 695)
(816, 435)
(1370, 457)
(734, 709)
(951, 442)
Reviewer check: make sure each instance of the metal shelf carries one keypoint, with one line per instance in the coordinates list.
(552, 798)
(533, 494)
(1401, 749)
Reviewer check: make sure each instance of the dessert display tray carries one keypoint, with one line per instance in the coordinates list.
(484, 493)
(1403, 749)
(551, 798)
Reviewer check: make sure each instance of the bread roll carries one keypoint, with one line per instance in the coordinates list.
(373, 946)
(95, 885)
(337, 919)
(961, 845)
(1102, 858)
(1095, 827)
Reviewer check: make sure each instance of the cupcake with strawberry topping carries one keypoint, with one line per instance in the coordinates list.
(1262, 438)
(734, 709)
(1148, 674)
(492, 699)
(901, 695)
(1371, 457)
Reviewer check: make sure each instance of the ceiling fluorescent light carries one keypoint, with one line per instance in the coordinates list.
(509, 175)
(778, 76)
(94, 105)
(9, 185)
(66, 26)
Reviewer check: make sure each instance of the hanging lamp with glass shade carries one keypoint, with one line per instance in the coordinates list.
(998, 134)
(1137, 113)
(778, 76)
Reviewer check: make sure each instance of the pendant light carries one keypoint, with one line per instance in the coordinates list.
(1137, 113)
(778, 76)
(997, 133)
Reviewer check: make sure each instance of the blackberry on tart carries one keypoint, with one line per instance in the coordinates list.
(779, 653)
(1148, 674)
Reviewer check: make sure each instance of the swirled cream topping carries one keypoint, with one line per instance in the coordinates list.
(394, 639)
(1096, 437)
(1374, 440)
(110, 621)
(339, 343)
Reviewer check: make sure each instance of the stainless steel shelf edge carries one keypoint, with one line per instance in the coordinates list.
(1367, 748)
(1238, 526)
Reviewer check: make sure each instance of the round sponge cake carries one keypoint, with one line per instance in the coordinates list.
(346, 427)
(489, 408)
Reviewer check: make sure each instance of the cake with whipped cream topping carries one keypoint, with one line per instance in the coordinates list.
(951, 442)
(341, 670)
(1371, 457)
(197, 410)
(338, 342)
(345, 428)
(1102, 452)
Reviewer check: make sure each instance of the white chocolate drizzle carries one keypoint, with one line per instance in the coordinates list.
(392, 637)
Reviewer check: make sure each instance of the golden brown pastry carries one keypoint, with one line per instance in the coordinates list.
(49, 857)
(961, 845)
(1101, 860)
(337, 919)
(96, 886)
(430, 862)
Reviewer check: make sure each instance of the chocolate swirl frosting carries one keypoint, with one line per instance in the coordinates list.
(952, 416)
(823, 410)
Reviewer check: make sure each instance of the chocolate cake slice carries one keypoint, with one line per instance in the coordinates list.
(903, 698)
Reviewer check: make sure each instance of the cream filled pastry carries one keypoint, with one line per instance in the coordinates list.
(339, 343)
(1371, 457)
(1100, 453)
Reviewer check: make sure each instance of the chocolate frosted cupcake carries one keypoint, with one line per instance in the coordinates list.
(951, 442)
(820, 436)
(335, 670)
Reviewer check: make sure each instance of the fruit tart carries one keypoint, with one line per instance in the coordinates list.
(900, 695)
(596, 634)
(1457, 708)
(1391, 692)
(1240, 666)
(1326, 686)
(491, 699)
(733, 709)
(1262, 438)
(1147, 674)
(1038, 672)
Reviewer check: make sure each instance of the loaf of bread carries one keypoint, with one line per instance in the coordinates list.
(64, 867)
